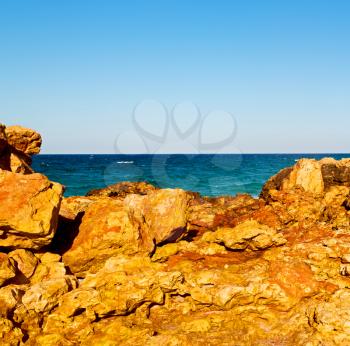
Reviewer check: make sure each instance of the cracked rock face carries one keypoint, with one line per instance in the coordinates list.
(17, 145)
(148, 266)
(28, 210)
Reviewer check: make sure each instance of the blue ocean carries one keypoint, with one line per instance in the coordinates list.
(210, 175)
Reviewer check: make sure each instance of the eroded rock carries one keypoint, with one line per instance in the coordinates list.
(121, 190)
(28, 210)
(17, 145)
(249, 234)
(105, 230)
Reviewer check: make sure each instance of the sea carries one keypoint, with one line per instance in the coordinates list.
(210, 175)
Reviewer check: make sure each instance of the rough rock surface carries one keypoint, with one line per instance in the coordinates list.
(161, 215)
(168, 267)
(105, 230)
(28, 210)
(17, 145)
(121, 190)
(3, 141)
(110, 226)
(24, 140)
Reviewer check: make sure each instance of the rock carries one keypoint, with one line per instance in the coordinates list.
(17, 145)
(161, 215)
(204, 212)
(9, 334)
(331, 319)
(72, 207)
(28, 210)
(123, 285)
(307, 174)
(10, 296)
(335, 172)
(249, 234)
(7, 268)
(50, 267)
(121, 190)
(111, 226)
(312, 176)
(147, 266)
(23, 139)
(71, 213)
(43, 296)
(105, 230)
(20, 163)
(25, 261)
(3, 140)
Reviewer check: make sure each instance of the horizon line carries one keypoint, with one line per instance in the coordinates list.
(250, 153)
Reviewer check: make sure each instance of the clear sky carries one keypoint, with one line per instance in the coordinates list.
(75, 70)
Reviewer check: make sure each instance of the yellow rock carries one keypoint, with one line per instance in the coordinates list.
(7, 268)
(25, 261)
(105, 231)
(249, 234)
(28, 210)
(161, 214)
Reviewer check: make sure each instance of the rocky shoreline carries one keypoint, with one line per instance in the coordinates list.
(132, 264)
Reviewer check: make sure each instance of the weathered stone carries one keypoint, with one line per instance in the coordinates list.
(168, 267)
(43, 296)
(17, 145)
(10, 296)
(23, 139)
(209, 213)
(25, 261)
(9, 334)
(121, 190)
(7, 268)
(331, 319)
(28, 210)
(50, 267)
(71, 207)
(3, 140)
(161, 215)
(105, 231)
(306, 174)
(249, 234)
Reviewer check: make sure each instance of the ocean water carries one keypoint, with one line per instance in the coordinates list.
(210, 175)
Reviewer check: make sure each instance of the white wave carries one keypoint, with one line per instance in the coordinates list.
(125, 161)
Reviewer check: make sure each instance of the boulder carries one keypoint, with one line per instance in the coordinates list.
(7, 268)
(3, 141)
(112, 226)
(249, 234)
(147, 266)
(9, 334)
(24, 140)
(121, 190)
(311, 176)
(104, 231)
(306, 174)
(161, 215)
(28, 210)
(17, 145)
(25, 262)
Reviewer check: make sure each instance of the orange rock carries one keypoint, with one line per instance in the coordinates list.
(105, 230)
(7, 268)
(3, 141)
(24, 140)
(17, 145)
(121, 190)
(28, 210)
(161, 215)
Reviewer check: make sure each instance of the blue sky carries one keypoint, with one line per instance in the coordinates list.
(75, 70)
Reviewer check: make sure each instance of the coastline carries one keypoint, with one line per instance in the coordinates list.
(135, 264)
